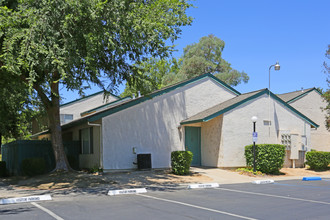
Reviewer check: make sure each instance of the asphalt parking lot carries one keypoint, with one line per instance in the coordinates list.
(290, 199)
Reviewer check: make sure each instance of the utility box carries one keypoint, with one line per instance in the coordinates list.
(144, 161)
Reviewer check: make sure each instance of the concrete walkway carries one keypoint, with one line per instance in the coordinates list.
(223, 176)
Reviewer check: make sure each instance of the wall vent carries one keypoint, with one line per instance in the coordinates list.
(144, 161)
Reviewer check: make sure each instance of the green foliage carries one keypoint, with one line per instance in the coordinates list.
(3, 169)
(95, 169)
(269, 157)
(180, 161)
(151, 76)
(198, 58)
(249, 170)
(318, 160)
(33, 166)
(326, 95)
(72, 44)
(16, 108)
(206, 57)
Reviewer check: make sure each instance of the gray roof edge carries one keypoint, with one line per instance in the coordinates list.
(86, 97)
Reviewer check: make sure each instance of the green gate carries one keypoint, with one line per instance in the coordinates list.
(15, 152)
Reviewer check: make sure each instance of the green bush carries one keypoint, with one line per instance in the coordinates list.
(318, 160)
(33, 166)
(3, 169)
(269, 157)
(180, 161)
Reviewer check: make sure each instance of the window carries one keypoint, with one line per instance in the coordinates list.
(65, 118)
(86, 140)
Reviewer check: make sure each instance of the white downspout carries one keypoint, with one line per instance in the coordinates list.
(101, 145)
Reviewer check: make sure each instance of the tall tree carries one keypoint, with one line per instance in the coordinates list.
(16, 108)
(14, 99)
(153, 75)
(206, 57)
(74, 43)
(198, 58)
(326, 95)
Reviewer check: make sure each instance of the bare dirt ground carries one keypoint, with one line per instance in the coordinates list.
(153, 178)
(71, 180)
(303, 172)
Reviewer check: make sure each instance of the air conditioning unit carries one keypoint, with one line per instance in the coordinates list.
(144, 161)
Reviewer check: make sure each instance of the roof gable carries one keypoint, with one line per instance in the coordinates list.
(237, 101)
(159, 93)
(93, 110)
(127, 104)
(86, 97)
(293, 96)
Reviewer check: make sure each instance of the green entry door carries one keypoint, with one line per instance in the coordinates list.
(193, 143)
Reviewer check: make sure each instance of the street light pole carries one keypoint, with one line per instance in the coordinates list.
(276, 67)
(254, 138)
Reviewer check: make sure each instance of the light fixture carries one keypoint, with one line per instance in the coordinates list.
(277, 66)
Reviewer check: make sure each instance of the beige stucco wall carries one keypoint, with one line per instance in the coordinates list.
(310, 105)
(154, 125)
(88, 160)
(86, 104)
(237, 129)
(210, 141)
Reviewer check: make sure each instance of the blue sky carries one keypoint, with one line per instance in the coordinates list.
(259, 33)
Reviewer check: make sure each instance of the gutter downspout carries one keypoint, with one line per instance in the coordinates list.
(101, 144)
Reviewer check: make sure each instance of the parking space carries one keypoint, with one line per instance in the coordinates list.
(22, 211)
(294, 199)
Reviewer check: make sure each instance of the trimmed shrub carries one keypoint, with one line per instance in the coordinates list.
(269, 157)
(180, 161)
(33, 166)
(3, 169)
(318, 160)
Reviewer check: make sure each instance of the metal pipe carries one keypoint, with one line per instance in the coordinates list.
(254, 149)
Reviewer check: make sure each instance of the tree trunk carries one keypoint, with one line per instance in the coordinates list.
(52, 106)
(56, 137)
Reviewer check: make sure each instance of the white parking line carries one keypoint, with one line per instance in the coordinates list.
(198, 207)
(275, 196)
(47, 211)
